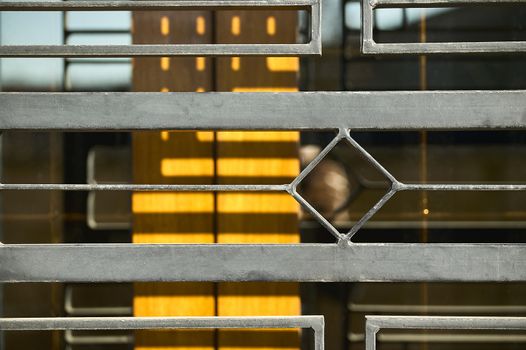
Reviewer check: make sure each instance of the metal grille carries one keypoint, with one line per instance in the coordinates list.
(343, 260)
(298, 111)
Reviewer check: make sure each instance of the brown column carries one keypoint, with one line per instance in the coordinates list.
(174, 158)
(257, 157)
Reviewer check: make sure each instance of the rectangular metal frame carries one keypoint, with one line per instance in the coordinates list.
(374, 324)
(265, 262)
(388, 110)
(369, 46)
(316, 323)
(313, 47)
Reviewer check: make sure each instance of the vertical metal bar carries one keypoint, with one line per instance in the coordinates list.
(319, 335)
(370, 334)
(315, 24)
(367, 25)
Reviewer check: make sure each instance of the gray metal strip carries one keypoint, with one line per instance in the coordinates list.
(313, 47)
(146, 187)
(369, 46)
(141, 5)
(374, 324)
(159, 50)
(437, 3)
(102, 323)
(316, 323)
(391, 110)
(304, 262)
(441, 338)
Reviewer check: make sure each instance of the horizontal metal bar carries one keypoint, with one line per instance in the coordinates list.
(391, 110)
(316, 323)
(122, 323)
(374, 324)
(145, 187)
(442, 338)
(155, 5)
(446, 322)
(158, 50)
(460, 187)
(369, 46)
(373, 48)
(304, 262)
(437, 3)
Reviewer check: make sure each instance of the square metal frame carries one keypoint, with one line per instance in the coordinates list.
(370, 47)
(313, 47)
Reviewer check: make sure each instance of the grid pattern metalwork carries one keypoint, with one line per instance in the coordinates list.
(56, 109)
(343, 260)
(281, 111)
(316, 323)
(341, 112)
(374, 324)
(313, 47)
(369, 46)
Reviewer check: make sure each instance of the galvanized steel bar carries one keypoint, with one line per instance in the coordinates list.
(369, 46)
(438, 3)
(313, 47)
(461, 187)
(447, 322)
(155, 5)
(122, 323)
(159, 50)
(391, 110)
(375, 323)
(144, 188)
(441, 338)
(266, 262)
(316, 323)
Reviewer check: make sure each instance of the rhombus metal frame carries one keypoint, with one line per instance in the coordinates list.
(313, 47)
(369, 46)
(343, 261)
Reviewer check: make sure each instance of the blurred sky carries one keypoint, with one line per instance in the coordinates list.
(33, 28)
